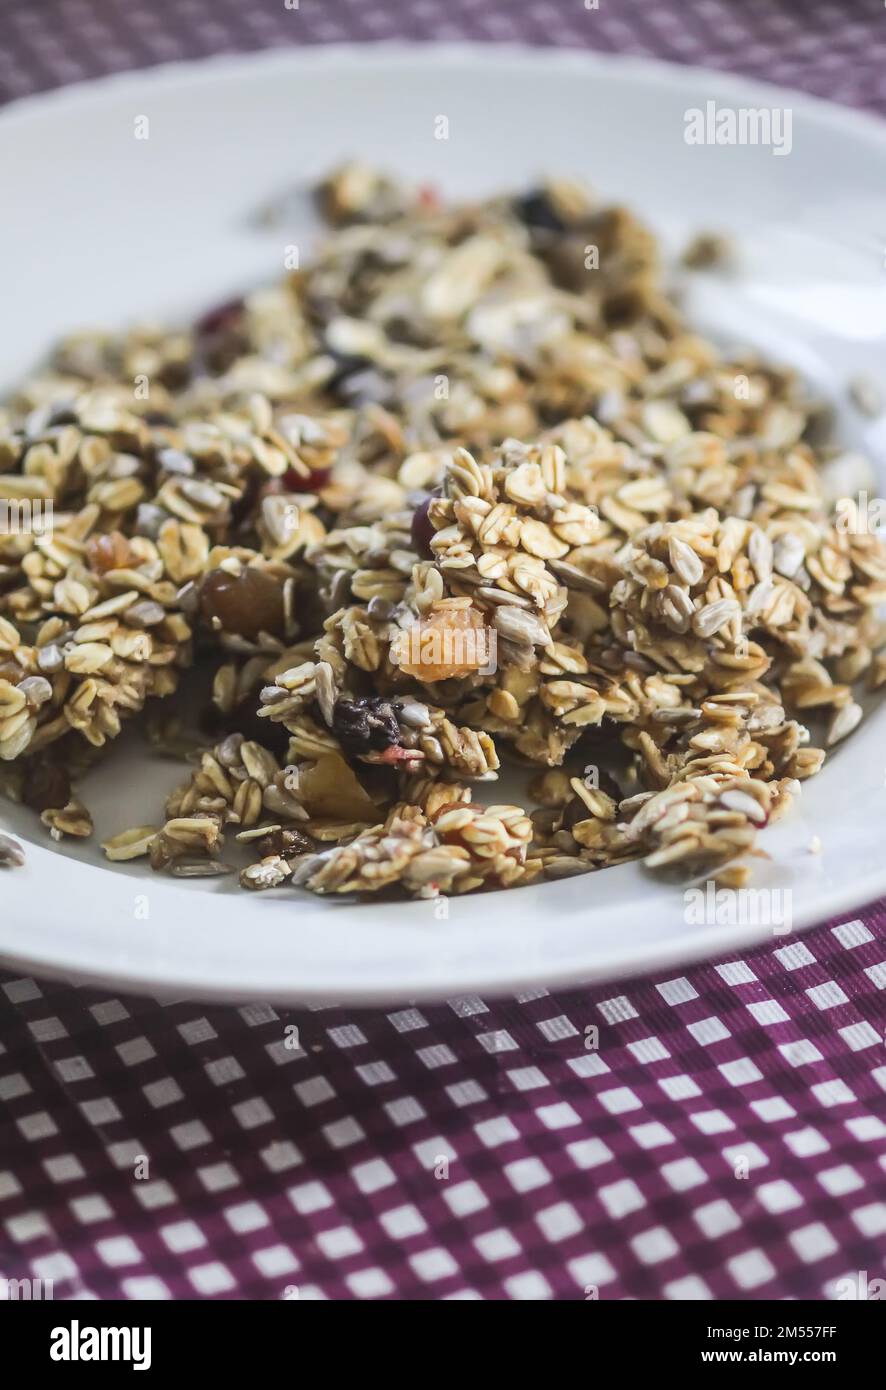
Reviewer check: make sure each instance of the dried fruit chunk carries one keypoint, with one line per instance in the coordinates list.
(314, 481)
(452, 641)
(246, 603)
(47, 787)
(365, 725)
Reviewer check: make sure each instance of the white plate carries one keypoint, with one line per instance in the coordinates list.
(100, 228)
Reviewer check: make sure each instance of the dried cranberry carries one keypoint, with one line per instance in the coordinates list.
(46, 787)
(223, 318)
(396, 754)
(246, 603)
(365, 725)
(422, 530)
(317, 479)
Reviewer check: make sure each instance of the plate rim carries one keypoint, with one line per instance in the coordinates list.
(433, 52)
(713, 945)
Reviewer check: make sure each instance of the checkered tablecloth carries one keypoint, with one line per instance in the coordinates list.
(715, 1135)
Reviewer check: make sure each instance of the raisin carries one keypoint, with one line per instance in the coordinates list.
(365, 725)
(283, 841)
(246, 603)
(219, 336)
(46, 787)
(109, 552)
(422, 531)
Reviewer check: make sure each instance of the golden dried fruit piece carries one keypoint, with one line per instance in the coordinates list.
(452, 641)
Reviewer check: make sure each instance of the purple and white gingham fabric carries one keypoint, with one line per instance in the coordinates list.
(715, 1135)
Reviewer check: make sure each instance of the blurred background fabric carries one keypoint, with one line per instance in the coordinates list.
(831, 48)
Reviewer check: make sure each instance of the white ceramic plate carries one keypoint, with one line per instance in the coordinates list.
(99, 228)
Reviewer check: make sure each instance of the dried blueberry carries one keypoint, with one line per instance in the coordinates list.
(364, 725)
(538, 213)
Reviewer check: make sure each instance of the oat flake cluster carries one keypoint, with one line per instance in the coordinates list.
(455, 417)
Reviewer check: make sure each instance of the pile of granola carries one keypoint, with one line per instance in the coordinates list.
(480, 420)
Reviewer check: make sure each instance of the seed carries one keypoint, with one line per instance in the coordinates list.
(844, 721)
(36, 690)
(88, 657)
(12, 856)
(684, 561)
(12, 699)
(50, 658)
(677, 608)
(760, 553)
(280, 514)
(176, 462)
(788, 555)
(715, 616)
(200, 868)
(145, 613)
(130, 844)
